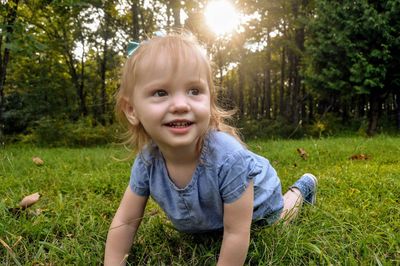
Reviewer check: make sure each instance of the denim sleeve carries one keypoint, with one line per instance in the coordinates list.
(139, 180)
(236, 172)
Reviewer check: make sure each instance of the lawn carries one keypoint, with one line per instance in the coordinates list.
(356, 220)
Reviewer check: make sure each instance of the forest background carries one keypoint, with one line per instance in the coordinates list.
(291, 68)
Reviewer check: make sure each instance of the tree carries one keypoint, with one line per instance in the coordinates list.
(6, 32)
(351, 50)
(60, 24)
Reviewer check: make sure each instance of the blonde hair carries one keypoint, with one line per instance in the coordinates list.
(177, 45)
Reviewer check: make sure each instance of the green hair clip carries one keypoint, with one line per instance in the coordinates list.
(132, 46)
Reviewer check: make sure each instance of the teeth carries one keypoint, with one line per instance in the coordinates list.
(179, 124)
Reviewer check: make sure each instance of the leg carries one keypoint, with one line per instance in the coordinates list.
(291, 205)
(304, 189)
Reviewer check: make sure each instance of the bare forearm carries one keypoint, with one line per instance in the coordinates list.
(234, 249)
(123, 228)
(119, 241)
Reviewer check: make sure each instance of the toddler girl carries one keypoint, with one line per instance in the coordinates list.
(189, 160)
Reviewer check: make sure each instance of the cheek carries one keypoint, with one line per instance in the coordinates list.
(202, 106)
(150, 111)
(205, 111)
(205, 102)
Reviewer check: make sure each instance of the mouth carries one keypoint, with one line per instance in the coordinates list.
(179, 124)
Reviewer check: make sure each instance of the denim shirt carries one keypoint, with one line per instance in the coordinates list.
(221, 177)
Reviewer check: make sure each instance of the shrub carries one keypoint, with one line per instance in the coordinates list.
(61, 132)
(266, 128)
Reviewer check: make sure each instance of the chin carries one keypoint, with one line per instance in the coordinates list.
(182, 143)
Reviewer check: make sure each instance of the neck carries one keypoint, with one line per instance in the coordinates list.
(181, 155)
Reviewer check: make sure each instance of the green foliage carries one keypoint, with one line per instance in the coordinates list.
(328, 125)
(62, 132)
(355, 222)
(269, 129)
(352, 49)
(354, 53)
(332, 125)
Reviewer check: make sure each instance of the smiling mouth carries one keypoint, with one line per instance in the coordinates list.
(179, 124)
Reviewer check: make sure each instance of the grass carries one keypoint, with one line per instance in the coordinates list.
(356, 220)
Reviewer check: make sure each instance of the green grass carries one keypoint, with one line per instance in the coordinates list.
(356, 220)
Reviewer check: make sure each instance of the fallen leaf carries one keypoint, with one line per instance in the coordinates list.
(29, 200)
(37, 161)
(303, 154)
(359, 157)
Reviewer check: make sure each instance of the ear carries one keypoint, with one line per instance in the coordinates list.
(129, 112)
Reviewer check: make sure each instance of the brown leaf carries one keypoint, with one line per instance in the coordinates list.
(37, 161)
(359, 157)
(303, 154)
(29, 200)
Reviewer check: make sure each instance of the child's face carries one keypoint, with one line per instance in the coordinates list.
(172, 101)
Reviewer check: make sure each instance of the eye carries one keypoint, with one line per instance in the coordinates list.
(160, 93)
(194, 92)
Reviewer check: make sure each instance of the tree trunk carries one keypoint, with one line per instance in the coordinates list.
(282, 85)
(82, 75)
(355, 101)
(176, 12)
(311, 108)
(290, 101)
(295, 92)
(294, 72)
(375, 102)
(258, 104)
(11, 16)
(240, 94)
(82, 81)
(220, 65)
(77, 84)
(345, 111)
(303, 96)
(228, 99)
(397, 96)
(361, 99)
(275, 103)
(69, 58)
(103, 69)
(252, 107)
(267, 81)
(298, 8)
(135, 21)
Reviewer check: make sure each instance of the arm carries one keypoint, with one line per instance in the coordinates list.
(123, 228)
(237, 224)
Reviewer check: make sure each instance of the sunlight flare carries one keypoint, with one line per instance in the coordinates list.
(221, 16)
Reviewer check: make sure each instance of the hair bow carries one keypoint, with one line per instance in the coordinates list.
(160, 33)
(132, 46)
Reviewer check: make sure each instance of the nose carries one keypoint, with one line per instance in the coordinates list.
(179, 104)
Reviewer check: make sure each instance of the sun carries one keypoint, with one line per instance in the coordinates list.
(221, 16)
